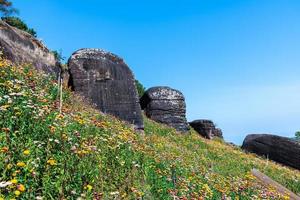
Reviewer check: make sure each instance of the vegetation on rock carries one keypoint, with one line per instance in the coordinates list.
(20, 24)
(140, 88)
(58, 55)
(297, 135)
(81, 154)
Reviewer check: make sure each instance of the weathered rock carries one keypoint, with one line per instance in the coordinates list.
(280, 149)
(206, 128)
(21, 47)
(108, 82)
(165, 105)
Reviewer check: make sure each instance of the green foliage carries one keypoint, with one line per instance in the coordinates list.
(297, 134)
(18, 23)
(58, 55)
(6, 8)
(81, 154)
(140, 88)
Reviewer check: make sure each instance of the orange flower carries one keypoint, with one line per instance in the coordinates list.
(4, 149)
(21, 188)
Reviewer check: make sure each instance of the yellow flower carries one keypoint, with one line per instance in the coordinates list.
(17, 193)
(9, 166)
(89, 187)
(26, 152)
(52, 129)
(21, 164)
(51, 162)
(21, 188)
(14, 181)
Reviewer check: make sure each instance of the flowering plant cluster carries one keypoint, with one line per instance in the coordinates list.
(81, 154)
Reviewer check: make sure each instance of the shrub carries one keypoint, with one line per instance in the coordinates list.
(140, 88)
(297, 134)
(58, 55)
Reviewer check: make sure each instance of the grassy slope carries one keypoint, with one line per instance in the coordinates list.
(83, 154)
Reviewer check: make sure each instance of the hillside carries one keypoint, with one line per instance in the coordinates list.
(82, 154)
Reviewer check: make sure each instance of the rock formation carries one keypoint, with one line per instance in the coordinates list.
(108, 82)
(165, 105)
(280, 149)
(21, 47)
(206, 128)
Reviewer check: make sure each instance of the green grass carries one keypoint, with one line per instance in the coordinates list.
(81, 153)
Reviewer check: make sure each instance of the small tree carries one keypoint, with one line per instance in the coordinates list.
(58, 55)
(6, 8)
(140, 88)
(18, 23)
(297, 134)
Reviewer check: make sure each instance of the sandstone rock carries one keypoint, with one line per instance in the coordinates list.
(21, 47)
(165, 105)
(108, 82)
(280, 149)
(206, 128)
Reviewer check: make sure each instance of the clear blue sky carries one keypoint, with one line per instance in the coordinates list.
(236, 62)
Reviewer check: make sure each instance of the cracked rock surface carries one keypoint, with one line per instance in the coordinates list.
(21, 47)
(280, 149)
(107, 81)
(165, 105)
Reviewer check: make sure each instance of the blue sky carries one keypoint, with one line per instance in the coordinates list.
(236, 62)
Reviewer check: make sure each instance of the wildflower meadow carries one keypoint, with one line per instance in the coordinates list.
(80, 153)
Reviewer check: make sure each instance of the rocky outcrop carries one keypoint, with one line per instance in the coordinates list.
(21, 47)
(165, 105)
(206, 128)
(280, 149)
(108, 82)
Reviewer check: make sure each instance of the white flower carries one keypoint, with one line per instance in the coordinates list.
(73, 192)
(4, 184)
(114, 193)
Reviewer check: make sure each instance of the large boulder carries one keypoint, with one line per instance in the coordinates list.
(165, 105)
(108, 82)
(21, 47)
(206, 128)
(280, 149)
